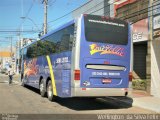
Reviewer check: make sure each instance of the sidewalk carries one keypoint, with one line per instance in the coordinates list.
(144, 100)
(4, 78)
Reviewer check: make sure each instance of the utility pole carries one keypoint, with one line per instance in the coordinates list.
(10, 38)
(148, 63)
(18, 54)
(45, 2)
(11, 55)
(11, 47)
(11, 51)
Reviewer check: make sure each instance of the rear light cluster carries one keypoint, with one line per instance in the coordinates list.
(76, 74)
(130, 76)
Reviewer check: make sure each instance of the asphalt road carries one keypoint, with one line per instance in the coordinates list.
(15, 99)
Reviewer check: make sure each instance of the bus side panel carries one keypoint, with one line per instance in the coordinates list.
(61, 64)
(39, 67)
(43, 71)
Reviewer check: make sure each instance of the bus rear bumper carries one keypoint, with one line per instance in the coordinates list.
(101, 92)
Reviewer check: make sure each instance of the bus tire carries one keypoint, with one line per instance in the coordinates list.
(50, 95)
(22, 82)
(21, 77)
(42, 88)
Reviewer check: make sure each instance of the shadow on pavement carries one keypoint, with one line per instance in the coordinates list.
(91, 103)
(6, 82)
(32, 89)
(3, 82)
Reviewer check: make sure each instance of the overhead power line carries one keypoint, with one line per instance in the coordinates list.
(126, 17)
(17, 31)
(66, 13)
(26, 15)
(142, 11)
(72, 12)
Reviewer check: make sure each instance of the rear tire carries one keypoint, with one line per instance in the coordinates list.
(22, 81)
(50, 95)
(42, 88)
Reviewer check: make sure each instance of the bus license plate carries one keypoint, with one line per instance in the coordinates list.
(106, 81)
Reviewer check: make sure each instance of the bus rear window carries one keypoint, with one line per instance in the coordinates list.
(105, 30)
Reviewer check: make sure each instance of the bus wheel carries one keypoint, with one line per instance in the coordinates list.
(21, 77)
(22, 82)
(50, 95)
(42, 88)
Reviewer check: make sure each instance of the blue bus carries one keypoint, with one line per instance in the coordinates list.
(86, 57)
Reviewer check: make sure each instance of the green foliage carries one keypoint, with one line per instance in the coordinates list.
(139, 84)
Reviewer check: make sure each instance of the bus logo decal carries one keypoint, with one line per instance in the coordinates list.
(30, 68)
(108, 49)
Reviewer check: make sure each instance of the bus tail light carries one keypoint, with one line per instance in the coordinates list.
(85, 15)
(76, 74)
(130, 76)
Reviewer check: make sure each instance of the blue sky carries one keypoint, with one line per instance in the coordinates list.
(11, 12)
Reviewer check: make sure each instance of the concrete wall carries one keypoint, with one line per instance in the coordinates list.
(112, 8)
(90, 8)
(108, 8)
(155, 68)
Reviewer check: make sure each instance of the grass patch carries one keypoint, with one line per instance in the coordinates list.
(139, 84)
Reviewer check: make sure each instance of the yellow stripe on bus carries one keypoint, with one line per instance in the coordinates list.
(52, 75)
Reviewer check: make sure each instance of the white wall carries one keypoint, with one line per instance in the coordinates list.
(96, 6)
(155, 68)
(5, 60)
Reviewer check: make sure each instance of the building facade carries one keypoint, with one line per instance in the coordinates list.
(95, 7)
(136, 12)
(155, 50)
(5, 59)
(146, 49)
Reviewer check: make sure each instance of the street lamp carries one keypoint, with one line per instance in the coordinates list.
(19, 44)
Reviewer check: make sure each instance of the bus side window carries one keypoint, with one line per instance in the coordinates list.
(64, 43)
(59, 41)
(24, 53)
(32, 51)
(49, 47)
(71, 42)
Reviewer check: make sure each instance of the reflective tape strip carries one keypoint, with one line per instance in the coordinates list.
(52, 75)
